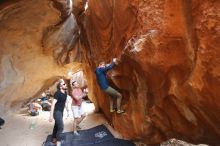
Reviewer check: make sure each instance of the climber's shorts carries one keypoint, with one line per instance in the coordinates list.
(112, 92)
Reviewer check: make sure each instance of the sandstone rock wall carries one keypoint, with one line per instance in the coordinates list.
(169, 66)
(168, 72)
(37, 39)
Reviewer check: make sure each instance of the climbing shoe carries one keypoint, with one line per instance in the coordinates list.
(112, 110)
(120, 111)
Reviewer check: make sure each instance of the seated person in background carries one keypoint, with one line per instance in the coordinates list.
(46, 105)
(34, 108)
(2, 122)
(48, 93)
(86, 97)
(85, 91)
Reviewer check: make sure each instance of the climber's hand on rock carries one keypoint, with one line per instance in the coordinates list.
(114, 60)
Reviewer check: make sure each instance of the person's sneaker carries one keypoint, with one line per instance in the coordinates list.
(54, 141)
(60, 143)
(120, 111)
(76, 133)
(112, 110)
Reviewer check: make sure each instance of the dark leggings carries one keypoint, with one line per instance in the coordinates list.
(58, 127)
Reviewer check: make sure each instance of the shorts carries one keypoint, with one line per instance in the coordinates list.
(77, 111)
(112, 92)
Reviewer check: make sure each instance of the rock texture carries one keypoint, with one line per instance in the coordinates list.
(168, 73)
(169, 66)
(37, 39)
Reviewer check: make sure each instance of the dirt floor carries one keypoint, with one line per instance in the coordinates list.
(24, 130)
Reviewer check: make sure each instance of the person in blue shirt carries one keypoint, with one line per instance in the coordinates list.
(100, 72)
(46, 105)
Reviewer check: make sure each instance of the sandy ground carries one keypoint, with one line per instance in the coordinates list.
(24, 130)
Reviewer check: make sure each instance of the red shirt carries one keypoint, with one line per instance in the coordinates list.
(77, 95)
